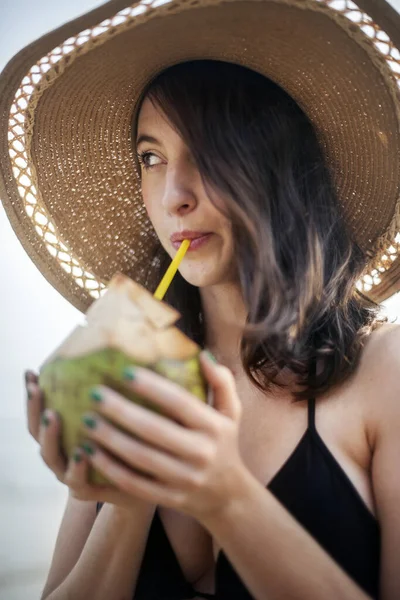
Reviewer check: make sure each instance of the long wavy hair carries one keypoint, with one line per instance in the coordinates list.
(296, 261)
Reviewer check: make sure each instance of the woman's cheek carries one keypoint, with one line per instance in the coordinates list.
(152, 197)
(154, 217)
(148, 206)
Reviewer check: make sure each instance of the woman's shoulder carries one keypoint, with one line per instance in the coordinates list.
(378, 377)
(381, 349)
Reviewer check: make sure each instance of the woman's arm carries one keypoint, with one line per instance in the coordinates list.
(272, 553)
(382, 398)
(386, 478)
(109, 564)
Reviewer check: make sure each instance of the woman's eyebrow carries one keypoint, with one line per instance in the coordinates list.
(146, 138)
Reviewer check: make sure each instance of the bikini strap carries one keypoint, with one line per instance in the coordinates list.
(311, 401)
(311, 413)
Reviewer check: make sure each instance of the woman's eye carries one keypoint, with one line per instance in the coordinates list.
(145, 160)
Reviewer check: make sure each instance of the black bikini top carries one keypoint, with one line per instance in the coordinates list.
(317, 492)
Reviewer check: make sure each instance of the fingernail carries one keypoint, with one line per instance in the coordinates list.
(30, 388)
(30, 377)
(89, 421)
(77, 456)
(96, 395)
(45, 419)
(88, 448)
(211, 356)
(129, 373)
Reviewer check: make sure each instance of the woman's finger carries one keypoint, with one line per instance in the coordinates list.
(76, 478)
(130, 483)
(49, 439)
(222, 383)
(142, 457)
(30, 376)
(151, 427)
(174, 401)
(34, 409)
(76, 475)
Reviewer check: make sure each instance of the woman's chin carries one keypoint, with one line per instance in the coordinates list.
(202, 279)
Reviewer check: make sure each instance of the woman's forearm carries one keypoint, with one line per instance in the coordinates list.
(110, 561)
(272, 553)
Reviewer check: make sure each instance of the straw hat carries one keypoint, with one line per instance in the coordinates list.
(68, 175)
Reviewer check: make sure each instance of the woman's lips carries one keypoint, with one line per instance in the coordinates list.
(194, 244)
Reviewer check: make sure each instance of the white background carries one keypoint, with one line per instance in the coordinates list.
(34, 318)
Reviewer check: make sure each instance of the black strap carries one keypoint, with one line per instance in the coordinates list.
(311, 413)
(311, 401)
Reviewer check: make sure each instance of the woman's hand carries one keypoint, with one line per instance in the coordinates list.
(45, 427)
(189, 459)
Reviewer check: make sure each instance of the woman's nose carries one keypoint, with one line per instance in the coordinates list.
(181, 190)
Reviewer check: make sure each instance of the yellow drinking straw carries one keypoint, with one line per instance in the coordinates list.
(172, 269)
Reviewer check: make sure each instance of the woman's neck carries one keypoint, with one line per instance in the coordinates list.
(224, 318)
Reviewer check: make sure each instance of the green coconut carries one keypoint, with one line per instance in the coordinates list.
(126, 326)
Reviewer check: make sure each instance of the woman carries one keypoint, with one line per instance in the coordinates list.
(267, 493)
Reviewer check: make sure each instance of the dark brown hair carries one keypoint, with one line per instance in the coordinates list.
(296, 261)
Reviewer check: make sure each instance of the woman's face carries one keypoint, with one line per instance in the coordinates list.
(175, 200)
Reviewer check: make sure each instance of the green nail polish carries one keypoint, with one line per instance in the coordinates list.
(45, 420)
(211, 356)
(88, 448)
(96, 395)
(77, 457)
(129, 373)
(29, 390)
(89, 421)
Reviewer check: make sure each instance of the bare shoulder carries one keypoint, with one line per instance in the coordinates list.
(378, 376)
(380, 359)
(386, 333)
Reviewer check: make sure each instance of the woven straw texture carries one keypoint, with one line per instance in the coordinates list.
(69, 181)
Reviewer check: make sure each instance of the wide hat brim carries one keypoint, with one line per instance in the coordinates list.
(68, 176)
